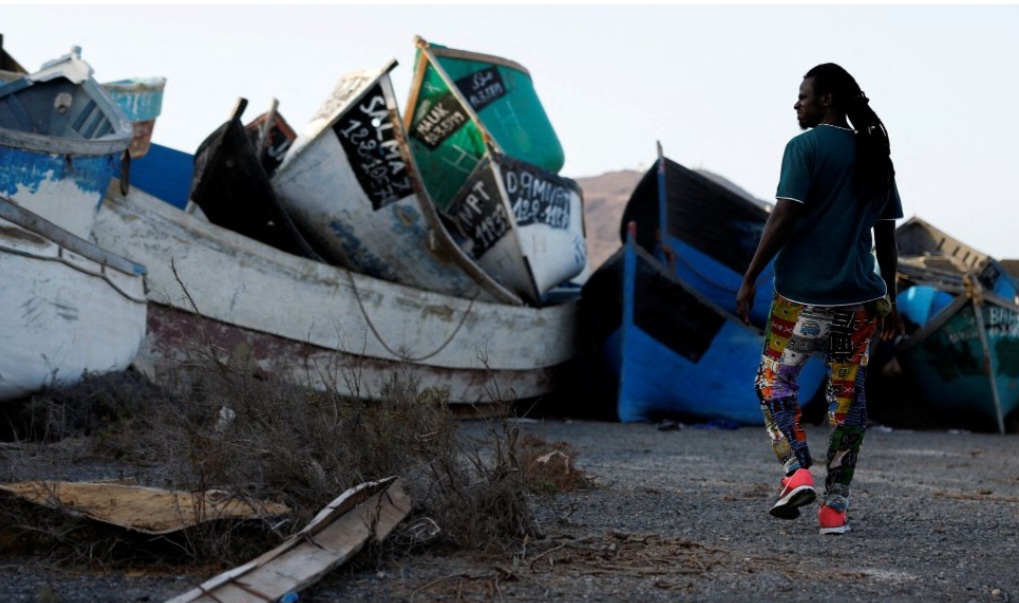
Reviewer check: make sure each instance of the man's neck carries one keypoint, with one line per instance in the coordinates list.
(834, 118)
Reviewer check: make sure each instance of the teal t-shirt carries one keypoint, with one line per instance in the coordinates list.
(827, 260)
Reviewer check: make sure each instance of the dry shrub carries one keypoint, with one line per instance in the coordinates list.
(267, 439)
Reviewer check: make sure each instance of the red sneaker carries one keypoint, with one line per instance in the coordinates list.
(797, 490)
(832, 521)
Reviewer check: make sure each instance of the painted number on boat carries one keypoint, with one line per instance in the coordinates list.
(439, 121)
(537, 197)
(1002, 322)
(482, 88)
(366, 132)
(478, 214)
(345, 91)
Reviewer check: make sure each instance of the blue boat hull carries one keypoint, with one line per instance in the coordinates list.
(60, 135)
(964, 364)
(164, 173)
(704, 232)
(671, 352)
(719, 283)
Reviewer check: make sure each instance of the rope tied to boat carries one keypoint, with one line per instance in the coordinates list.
(402, 356)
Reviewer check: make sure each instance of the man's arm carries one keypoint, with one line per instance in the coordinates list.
(887, 260)
(776, 232)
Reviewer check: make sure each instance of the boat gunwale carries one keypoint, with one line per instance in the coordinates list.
(151, 210)
(663, 270)
(950, 311)
(337, 113)
(14, 213)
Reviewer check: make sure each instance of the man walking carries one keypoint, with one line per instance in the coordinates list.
(836, 187)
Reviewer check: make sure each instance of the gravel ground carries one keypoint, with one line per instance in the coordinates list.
(682, 516)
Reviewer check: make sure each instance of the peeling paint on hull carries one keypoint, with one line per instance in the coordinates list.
(65, 190)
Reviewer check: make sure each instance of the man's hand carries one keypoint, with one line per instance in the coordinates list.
(891, 326)
(745, 300)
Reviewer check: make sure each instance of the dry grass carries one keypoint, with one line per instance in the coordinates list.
(269, 440)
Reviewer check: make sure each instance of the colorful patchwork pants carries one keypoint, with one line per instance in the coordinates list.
(843, 335)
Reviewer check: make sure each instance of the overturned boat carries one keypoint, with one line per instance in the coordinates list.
(489, 158)
(350, 186)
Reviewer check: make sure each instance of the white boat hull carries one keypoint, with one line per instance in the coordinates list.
(64, 310)
(349, 185)
(522, 225)
(322, 325)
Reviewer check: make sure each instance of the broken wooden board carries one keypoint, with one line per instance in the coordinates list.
(142, 509)
(368, 511)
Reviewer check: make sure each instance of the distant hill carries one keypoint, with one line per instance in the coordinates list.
(605, 197)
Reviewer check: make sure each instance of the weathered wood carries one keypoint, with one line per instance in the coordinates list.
(139, 508)
(369, 511)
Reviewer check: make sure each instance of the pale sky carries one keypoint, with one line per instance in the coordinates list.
(714, 84)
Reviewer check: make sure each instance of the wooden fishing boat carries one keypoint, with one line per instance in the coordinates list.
(488, 157)
(322, 325)
(961, 354)
(704, 231)
(928, 255)
(232, 189)
(672, 353)
(461, 102)
(964, 362)
(271, 136)
(523, 225)
(60, 136)
(67, 307)
(141, 99)
(350, 186)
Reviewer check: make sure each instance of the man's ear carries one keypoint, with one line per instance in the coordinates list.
(826, 99)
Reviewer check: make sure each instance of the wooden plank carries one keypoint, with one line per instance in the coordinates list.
(139, 508)
(336, 534)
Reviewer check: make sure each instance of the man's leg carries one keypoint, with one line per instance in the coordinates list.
(792, 335)
(789, 341)
(848, 354)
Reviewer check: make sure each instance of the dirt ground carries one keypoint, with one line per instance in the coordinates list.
(681, 515)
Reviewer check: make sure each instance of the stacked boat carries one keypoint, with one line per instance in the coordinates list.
(67, 306)
(352, 255)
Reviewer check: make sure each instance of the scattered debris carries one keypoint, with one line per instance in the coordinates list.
(139, 508)
(368, 511)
